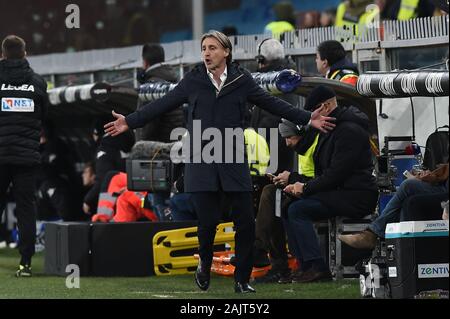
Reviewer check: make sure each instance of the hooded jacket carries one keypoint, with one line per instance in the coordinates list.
(24, 104)
(343, 166)
(160, 128)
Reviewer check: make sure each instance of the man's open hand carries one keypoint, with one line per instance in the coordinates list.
(118, 126)
(322, 123)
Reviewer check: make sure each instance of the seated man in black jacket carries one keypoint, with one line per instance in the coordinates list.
(343, 186)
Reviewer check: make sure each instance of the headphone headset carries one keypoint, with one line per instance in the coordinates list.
(261, 59)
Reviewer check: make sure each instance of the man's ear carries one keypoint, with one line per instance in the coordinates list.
(227, 51)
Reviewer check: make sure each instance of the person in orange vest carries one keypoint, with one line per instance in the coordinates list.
(118, 204)
(332, 63)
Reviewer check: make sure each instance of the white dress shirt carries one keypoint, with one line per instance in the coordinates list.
(223, 78)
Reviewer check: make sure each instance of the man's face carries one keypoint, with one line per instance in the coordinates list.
(145, 65)
(292, 141)
(213, 54)
(328, 106)
(88, 177)
(322, 65)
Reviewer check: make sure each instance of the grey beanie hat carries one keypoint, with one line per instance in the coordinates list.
(288, 129)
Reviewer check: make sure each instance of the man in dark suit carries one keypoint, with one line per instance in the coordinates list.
(217, 92)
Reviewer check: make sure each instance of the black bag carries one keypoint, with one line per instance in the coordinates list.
(436, 151)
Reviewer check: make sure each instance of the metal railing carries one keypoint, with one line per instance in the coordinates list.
(424, 28)
(416, 32)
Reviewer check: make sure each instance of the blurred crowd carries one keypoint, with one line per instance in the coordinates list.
(354, 11)
(141, 21)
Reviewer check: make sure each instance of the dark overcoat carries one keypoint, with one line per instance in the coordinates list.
(221, 110)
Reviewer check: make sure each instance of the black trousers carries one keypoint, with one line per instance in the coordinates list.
(207, 207)
(23, 179)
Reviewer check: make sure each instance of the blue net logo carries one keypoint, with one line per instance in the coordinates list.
(17, 105)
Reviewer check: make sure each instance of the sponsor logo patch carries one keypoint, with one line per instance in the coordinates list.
(13, 104)
(433, 270)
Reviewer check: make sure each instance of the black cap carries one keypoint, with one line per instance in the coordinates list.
(317, 96)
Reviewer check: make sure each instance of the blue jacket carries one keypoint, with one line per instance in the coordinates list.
(222, 110)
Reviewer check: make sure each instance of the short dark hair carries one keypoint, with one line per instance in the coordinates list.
(13, 47)
(222, 39)
(153, 53)
(332, 51)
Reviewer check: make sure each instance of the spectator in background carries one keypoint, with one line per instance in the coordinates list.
(88, 175)
(230, 30)
(159, 129)
(405, 9)
(309, 20)
(285, 19)
(271, 57)
(111, 154)
(351, 14)
(327, 18)
(154, 71)
(425, 183)
(332, 63)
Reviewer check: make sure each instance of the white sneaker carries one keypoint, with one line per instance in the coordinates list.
(12, 245)
(3, 244)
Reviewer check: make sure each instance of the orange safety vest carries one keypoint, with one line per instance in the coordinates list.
(345, 76)
(107, 200)
(129, 208)
(121, 205)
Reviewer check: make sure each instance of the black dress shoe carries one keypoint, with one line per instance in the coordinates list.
(202, 277)
(243, 288)
(314, 276)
